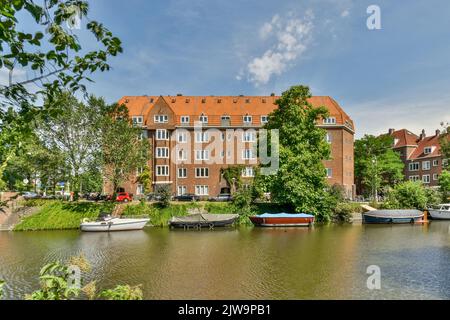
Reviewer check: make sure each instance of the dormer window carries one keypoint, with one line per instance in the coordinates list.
(161, 118)
(203, 119)
(138, 120)
(184, 119)
(247, 119)
(330, 120)
(264, 119)
(428, 150)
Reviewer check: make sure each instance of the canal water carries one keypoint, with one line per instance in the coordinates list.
(325, 262)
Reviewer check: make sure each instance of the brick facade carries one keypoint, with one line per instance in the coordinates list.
(420, 154)
(232, 125)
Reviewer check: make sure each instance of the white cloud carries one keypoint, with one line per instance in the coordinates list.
(292, 36)
(413, 114)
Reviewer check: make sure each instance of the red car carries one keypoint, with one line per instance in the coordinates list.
(124, 197)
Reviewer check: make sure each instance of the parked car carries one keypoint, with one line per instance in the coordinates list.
(187, 197)
(124, 197)
(222, 197)
(30, 195)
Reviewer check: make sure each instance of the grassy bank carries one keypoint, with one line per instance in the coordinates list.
(58, 215)
(161, 216)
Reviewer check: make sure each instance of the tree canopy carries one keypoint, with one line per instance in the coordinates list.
(300, 181)
(376, 164)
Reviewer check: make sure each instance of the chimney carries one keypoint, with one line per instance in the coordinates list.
(272, 94)
(422, 135)
(391, 131)
(179, 94)
(438, 132)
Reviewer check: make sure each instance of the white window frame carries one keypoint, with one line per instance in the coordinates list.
(202, 172)
(247, 154)
(181, 190)
(139, 120)
(328, 138)
(183, 153)
(329, 120)
(201, 154)
(182, 173)
(414, 178)
(201, 136)
(203, 119)
(139, 171)
(140, 189)
(247, 119)
(428, 178)
(426, 165)
(185, 119)
(161, 118)
(435, 177)
(201, 190)
(162, 152)
(413, 166)
(162, 171)
(160, 135)
(248, 172)
(435, 162)
(427, 150)
(329, 172)
(183, 136)
(264, 119)
(249, 136)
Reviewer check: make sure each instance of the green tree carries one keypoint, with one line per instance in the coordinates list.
(145, 178)
(444, 185)
(300, 181)
(122, 148)
(75, 132)
(50, 52)
(408, 195)
(376, 164)
(51, 56)
(164, 194)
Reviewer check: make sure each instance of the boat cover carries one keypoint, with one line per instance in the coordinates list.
(204, 217)
(285, 215)
(395, 213)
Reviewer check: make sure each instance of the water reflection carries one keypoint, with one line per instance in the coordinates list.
(326, 262)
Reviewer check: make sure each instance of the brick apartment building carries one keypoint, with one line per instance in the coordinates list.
(180, 154)
(421, 155)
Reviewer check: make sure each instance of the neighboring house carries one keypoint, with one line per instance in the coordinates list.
(420, 154)
(180, 154)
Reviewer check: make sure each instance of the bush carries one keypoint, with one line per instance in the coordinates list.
(164, 193)
(343, 212)
(407, 195)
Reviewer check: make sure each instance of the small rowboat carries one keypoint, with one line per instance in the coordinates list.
(107, 223)
(202, 220)
(392, 216)
(283, 220)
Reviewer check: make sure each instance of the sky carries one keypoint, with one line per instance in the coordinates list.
(394, 77)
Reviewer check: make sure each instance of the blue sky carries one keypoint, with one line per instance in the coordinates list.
(397, 77)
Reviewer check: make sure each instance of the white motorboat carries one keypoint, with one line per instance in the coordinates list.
(107, 223)
(441, 211)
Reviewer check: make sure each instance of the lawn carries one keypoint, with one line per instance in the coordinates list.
(58, 215)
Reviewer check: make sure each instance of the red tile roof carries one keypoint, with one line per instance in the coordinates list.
(405, 138)
(432, 142)
(234, 106)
